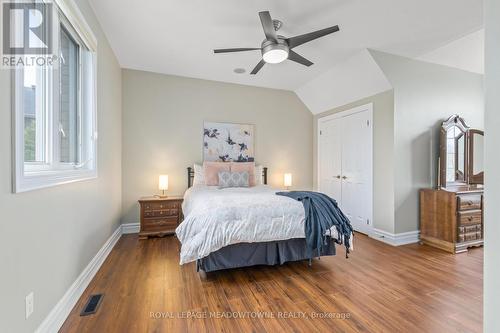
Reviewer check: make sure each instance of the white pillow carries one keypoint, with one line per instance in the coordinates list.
(199, 175)
(259, 170)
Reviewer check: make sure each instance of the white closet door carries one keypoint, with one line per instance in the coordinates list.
(357, 170)
(330, 154)
(345, 164)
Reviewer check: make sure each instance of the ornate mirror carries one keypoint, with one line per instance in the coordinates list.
(453, 152)
(476, 150)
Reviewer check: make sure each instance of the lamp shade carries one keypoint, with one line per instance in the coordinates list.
(163, 182)
(287, 179)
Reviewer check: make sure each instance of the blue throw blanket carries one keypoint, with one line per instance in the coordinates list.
(322, 213)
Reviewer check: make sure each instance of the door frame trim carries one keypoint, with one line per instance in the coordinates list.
(342, 114)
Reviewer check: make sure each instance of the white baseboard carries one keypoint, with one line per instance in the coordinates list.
(60, 312)
(131, 228)
(402, 238)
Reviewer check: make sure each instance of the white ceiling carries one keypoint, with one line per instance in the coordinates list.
(466, 53)
(177, 37)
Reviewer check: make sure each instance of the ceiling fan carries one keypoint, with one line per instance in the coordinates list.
(276, 48)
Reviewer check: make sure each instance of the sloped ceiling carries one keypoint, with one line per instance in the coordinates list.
(351, 80)
(177, 37)
(360, 76)
(466, 53)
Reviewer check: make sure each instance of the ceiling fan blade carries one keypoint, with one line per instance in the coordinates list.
(298, 58)
(236, 50)
(268, 26)
(301, 39)
(258, 67)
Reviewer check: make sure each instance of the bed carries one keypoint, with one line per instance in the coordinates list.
(240, 227)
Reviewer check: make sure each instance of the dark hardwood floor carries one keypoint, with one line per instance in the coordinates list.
(380, 288)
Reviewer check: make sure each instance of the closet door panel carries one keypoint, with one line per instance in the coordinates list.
(356, 169)
(330, 154)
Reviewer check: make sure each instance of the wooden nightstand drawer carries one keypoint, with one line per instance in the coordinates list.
(159, 216)
(160, 205)
(153, 224)
(161, 213)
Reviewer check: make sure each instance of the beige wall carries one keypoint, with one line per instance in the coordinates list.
(162, 131)
(424, 95)
(492, 169)
(383, 144)
(49, 236)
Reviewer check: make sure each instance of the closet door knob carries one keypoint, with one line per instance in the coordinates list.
(337, 176)
(344, 177)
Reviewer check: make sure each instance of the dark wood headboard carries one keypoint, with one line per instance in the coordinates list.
(190, 171)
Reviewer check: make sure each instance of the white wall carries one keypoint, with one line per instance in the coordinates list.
(492, 169)
(162, 131)
(424, 95)
(49, 236)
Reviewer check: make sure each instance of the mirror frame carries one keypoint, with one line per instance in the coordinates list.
(474, 178)
(454, 120)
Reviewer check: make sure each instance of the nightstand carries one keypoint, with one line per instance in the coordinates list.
(159, 216)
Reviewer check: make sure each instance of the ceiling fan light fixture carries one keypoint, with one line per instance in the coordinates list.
(275, 56)
(274, 53)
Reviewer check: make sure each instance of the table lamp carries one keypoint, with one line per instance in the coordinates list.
(163, 185)
(287, 180)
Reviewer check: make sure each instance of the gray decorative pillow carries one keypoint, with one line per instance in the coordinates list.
(233, 179)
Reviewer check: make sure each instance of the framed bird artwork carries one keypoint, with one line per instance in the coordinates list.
(228, 142)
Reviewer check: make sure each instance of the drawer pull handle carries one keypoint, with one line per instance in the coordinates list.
(469, 203)
(470, 218)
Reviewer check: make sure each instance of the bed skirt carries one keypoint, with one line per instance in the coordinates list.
(265, 253)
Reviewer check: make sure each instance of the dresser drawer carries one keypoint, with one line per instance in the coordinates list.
(161, 213)
(471, 236)
(469, 202)
(469, 217)
(160, 205)
(168, 223)
(469, 229)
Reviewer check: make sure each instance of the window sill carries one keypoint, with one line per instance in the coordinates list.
(39, 180)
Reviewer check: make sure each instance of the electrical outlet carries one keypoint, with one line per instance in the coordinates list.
(30, 299)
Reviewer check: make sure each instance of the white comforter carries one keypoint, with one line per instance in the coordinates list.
(215, 218)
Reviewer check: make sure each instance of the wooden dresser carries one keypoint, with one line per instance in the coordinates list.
(159, 216)
(451, 218)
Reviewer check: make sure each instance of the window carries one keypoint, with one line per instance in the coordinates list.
(69, 127)
(55, 109)
(34, 119)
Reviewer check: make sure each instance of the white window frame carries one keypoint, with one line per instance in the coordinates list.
(35, 175)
